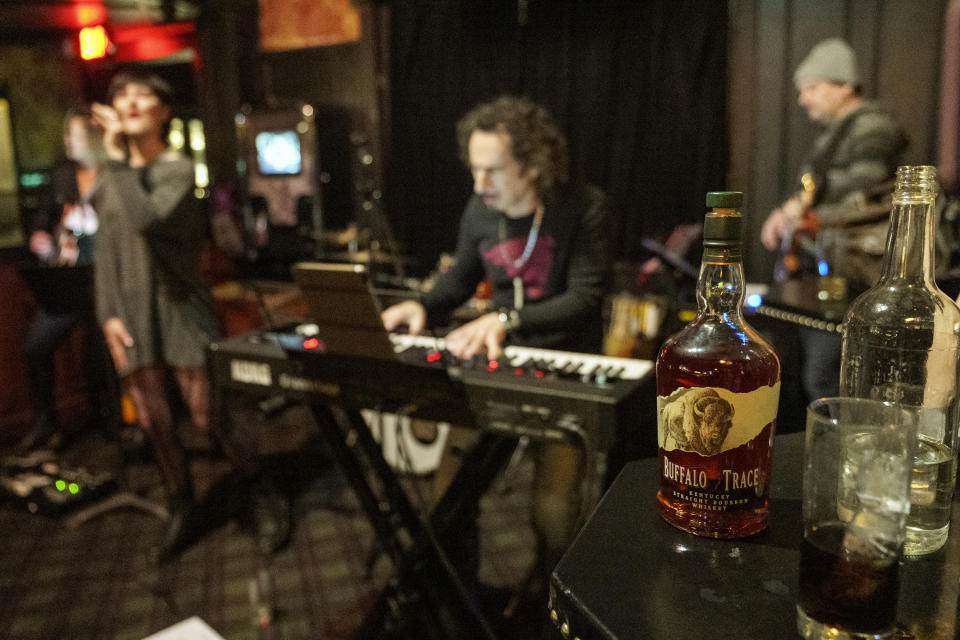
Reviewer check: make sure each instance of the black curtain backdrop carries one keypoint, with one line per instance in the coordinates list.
(638, 88)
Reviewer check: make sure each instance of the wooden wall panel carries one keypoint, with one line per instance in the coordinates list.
(863, 27)
(811, 21)
(770, 104)
(898, 47)
(741, 87)
(909, 71)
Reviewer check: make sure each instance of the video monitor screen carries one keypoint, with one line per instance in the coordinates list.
(278, 153)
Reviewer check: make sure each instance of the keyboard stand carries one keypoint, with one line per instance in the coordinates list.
(426, 599)
(116, 501)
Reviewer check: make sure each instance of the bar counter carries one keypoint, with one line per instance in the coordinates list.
(629, 575)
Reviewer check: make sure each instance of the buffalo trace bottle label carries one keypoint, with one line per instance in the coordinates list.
(718, 389)
(715, 450)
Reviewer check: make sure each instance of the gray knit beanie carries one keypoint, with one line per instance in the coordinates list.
(831, 60)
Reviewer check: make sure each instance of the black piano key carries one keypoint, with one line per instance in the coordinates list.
(572, 367)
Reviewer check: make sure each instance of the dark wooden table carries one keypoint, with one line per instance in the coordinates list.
(630, 575)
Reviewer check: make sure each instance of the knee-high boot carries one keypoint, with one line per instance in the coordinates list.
(178, 482)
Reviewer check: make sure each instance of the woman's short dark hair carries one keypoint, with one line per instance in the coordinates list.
(535, 139)
(160, 87)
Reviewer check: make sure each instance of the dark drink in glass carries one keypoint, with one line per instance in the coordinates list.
(848, 581)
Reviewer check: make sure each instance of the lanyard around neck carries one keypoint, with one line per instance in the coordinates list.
(532, 236)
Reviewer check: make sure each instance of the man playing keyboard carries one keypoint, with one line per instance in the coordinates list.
(540, 240)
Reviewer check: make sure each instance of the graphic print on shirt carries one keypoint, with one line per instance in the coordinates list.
(534, 272)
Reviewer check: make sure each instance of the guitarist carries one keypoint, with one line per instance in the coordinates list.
(797, 249)
(850, 164)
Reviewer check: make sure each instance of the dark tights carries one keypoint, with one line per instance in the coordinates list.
(146, 388)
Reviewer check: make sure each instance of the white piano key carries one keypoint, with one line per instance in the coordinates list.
(584, 364)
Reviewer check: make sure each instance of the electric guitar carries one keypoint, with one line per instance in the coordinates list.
(799, 236)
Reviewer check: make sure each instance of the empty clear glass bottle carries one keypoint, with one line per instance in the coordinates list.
(900, 344)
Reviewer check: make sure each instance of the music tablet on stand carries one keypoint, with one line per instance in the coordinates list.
(344, 309)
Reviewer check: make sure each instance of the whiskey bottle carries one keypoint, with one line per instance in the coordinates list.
(901, 340)
(718, 388)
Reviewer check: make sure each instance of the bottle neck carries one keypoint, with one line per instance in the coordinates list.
(720, 285)
(910, 247)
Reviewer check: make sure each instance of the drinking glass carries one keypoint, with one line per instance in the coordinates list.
(856, 496)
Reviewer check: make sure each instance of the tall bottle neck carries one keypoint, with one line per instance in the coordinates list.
(720, 285)
(910, 248)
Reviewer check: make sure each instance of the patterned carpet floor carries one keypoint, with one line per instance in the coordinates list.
(99, 581)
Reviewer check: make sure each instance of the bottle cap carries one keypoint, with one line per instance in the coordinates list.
(723, 229)
(724, 199)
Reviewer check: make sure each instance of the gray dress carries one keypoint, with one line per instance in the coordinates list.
(147, 271)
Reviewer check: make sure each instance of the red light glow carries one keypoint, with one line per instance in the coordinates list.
(89, 15)
(311, 343)
(493, 365)
(93, 42)
(434, 357)
(152, 42)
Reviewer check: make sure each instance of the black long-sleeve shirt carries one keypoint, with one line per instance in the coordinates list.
(563, 280)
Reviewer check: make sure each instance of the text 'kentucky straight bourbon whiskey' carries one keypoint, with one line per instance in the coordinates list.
(718, 388)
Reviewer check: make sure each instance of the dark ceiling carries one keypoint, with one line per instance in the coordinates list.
(38, 17)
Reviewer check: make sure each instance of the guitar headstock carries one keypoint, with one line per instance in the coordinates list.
(809, 189)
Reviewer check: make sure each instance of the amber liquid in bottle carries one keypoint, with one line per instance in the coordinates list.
(715, 481)
(722, 366)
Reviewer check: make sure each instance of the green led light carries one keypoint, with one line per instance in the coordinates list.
(60, 485)
(29, 180)
(74, 488)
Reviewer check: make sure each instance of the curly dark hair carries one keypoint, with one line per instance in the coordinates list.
(535, 139)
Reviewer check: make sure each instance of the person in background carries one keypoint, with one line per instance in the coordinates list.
(540, 240)
(156, 313)
(64, 237)
(852, 162)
